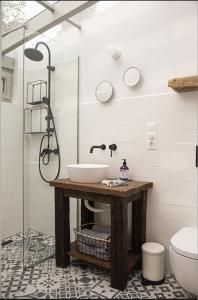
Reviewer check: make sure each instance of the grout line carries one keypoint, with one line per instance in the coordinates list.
(133, 97)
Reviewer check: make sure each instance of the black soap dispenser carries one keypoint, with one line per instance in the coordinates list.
(124, 171)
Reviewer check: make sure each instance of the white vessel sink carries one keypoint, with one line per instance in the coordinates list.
(87, 173)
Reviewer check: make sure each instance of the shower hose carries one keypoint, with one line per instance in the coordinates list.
(45, 157)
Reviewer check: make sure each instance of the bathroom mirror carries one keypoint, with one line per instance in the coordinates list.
(132, 76)
(104, 91)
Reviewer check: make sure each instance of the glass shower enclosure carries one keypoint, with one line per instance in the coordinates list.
(39, 128)
(50, 137)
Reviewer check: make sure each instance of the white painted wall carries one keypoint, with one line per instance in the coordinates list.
(160, 38)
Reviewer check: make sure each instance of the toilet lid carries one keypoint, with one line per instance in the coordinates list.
(185, 242)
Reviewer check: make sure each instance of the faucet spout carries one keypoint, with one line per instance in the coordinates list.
(102, 147)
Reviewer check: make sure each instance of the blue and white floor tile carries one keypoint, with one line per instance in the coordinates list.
(79, 281)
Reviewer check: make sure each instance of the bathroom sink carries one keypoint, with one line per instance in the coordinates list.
(87, 173)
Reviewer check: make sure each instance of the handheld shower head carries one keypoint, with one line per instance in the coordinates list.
(33, 54)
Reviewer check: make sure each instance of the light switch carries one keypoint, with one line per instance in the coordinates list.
(152, 135)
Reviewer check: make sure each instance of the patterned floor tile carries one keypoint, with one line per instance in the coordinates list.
(104, 288)
(91, 295)
(78, 281)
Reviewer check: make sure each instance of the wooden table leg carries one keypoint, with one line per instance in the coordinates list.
(119, 243)
(139, 223)
(86, 215)
(62, 228)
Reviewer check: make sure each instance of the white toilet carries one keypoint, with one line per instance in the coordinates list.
(184, 258)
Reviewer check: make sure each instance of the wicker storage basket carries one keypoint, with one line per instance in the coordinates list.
(91, 244)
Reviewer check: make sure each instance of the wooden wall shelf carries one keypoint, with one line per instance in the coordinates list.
(184, 84)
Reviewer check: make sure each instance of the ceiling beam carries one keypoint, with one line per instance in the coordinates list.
(52, 9)
(74, 24)
(46, 5)
(44, 21)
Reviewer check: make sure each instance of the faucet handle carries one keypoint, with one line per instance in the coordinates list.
(112, 147)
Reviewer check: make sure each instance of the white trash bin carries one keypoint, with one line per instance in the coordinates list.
(152, 264)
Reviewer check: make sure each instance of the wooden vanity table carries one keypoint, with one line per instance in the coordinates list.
(122, 261)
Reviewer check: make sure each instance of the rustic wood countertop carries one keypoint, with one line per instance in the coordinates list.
(100, 188)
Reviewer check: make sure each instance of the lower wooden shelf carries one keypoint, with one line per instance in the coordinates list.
(133, 259)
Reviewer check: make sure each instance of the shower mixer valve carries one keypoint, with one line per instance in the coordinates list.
(48, 151)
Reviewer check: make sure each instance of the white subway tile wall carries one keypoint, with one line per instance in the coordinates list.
(173, 200)
(160, 38)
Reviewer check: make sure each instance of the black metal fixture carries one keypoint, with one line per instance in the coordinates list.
(44, 154)
(112, 147)
(102, 147)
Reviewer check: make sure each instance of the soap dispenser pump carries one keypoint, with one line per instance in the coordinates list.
(124, 171)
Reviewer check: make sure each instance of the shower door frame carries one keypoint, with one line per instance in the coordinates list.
(0, 132)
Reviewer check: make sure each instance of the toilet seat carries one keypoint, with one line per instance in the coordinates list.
(185, 242)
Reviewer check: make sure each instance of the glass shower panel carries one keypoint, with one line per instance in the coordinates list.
(11, 149)
(50, 129)
(1, 89)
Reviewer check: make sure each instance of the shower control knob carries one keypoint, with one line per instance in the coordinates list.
(56, 151)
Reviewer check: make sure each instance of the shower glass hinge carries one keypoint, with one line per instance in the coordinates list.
(196, 156)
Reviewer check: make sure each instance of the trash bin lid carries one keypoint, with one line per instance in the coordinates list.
(185, 242)
(153, 248)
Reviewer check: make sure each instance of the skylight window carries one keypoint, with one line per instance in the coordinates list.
(92, 11)
(16, 13)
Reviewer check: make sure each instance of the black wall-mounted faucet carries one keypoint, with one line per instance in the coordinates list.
(112, 147)
(103, 147)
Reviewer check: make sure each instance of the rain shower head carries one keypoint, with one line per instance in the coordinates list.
(33, 54)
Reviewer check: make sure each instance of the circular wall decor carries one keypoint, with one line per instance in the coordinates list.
(104, 91)
(132, 76)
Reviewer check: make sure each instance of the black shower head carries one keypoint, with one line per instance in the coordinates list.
(33, 54)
